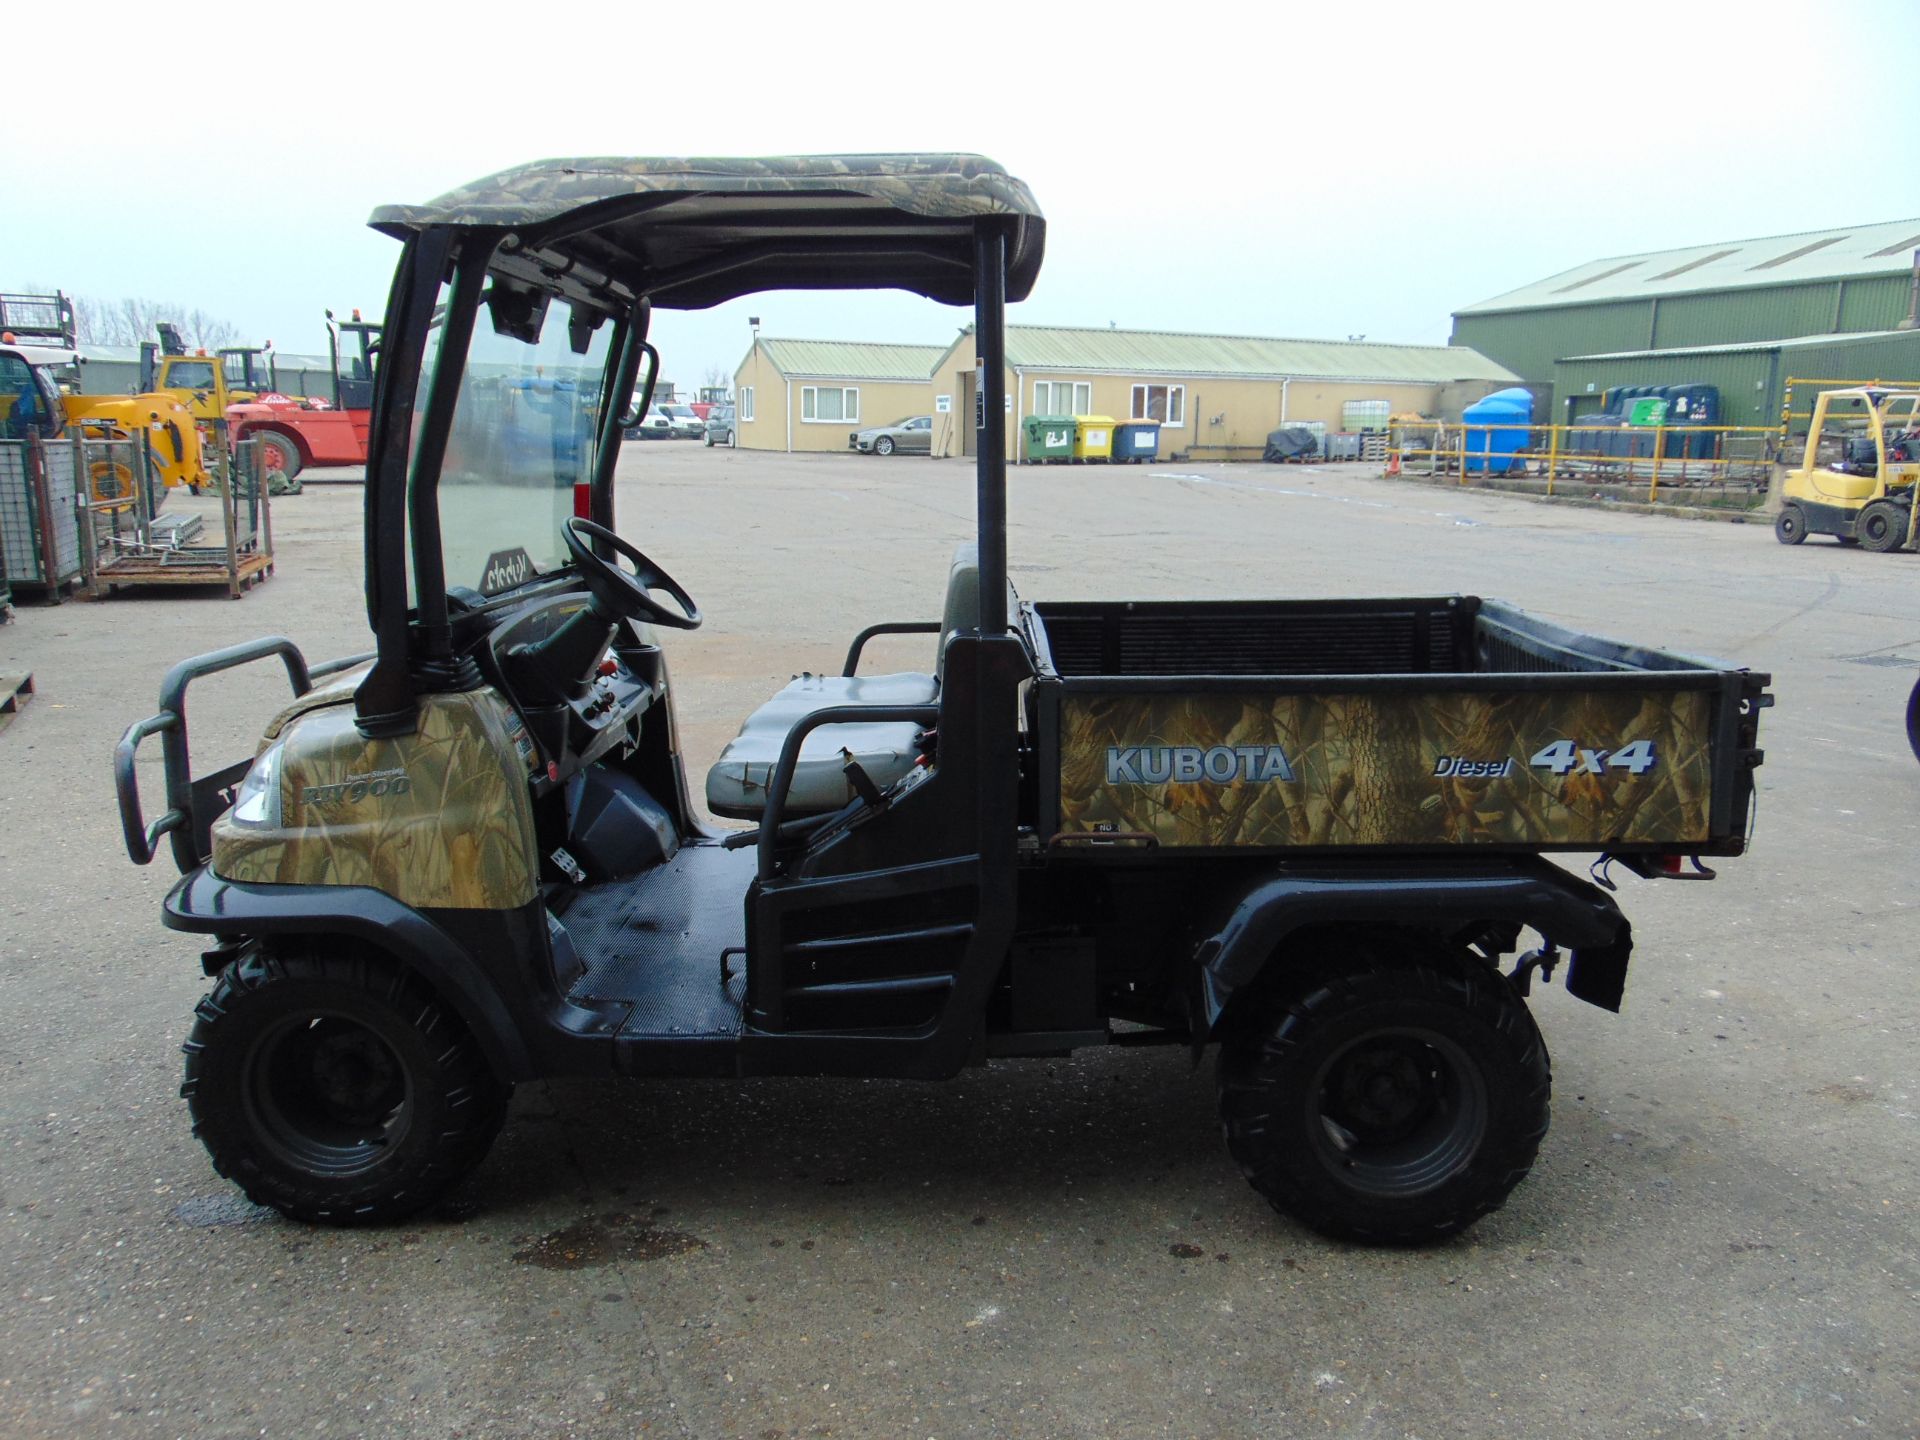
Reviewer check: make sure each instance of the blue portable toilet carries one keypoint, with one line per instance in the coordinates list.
(1503, 407)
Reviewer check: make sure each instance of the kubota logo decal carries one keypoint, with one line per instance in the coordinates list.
(1191, 764)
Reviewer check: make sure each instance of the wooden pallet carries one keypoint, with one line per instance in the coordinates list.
(185, 567)
(15, 691)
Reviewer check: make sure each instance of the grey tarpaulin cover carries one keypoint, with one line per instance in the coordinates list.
(1289, 442)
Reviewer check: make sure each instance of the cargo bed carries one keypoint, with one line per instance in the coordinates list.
(1403, 726)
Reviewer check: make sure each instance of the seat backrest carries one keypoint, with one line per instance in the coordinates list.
(963, 598)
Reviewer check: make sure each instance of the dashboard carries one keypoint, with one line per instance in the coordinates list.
(573, 722)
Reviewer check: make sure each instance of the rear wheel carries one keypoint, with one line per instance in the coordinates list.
(337, 1089)
(278, 452)
(1913, 720)
(1881, 527)
(883, 446)
(1790, 525)
(1394, 1103)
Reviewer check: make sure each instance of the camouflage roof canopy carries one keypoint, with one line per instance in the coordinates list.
(690, 233)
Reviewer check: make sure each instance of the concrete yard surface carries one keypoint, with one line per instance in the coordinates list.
(1720, 1237)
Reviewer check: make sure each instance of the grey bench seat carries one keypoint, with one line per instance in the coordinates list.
(737, 783)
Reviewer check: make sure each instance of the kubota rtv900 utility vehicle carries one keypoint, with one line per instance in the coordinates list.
(1303, 833)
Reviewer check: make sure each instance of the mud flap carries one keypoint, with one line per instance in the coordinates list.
(1597, 974)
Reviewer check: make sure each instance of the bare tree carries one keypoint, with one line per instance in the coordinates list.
(717, 377)
(207, 331)
(133, 319)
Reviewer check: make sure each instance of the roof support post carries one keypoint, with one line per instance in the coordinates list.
(990, 449)
(616, 400)
(430, 449)
(384, 702)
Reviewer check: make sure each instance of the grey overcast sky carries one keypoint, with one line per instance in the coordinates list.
(1266, 169)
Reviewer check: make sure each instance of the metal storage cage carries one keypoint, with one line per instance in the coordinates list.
(39, 529)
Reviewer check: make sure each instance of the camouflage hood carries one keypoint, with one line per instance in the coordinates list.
(926, 203)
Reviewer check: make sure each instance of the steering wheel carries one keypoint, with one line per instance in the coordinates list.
(623, 592)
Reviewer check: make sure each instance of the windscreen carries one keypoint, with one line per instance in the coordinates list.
(29, 400)
(523, 436)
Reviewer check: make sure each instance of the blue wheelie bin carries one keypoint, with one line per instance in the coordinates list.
(1136, 440)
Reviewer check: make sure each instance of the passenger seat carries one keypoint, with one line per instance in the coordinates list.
(887, 750)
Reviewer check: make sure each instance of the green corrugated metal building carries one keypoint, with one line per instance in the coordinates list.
(1740, 314)
(1751, 376)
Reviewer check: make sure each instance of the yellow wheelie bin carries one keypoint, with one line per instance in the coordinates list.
(1093, 437)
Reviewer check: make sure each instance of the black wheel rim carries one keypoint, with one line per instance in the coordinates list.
(326, 1094)
(1397, 1113)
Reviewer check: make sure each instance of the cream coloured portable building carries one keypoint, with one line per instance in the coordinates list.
(1216, 396)
(811, 394)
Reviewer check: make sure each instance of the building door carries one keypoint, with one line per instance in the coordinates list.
(969, 437)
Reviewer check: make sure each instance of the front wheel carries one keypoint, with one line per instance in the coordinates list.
(1790, 525)
(337, 1089)
(883, 446)
(278, 452)
(1393, 1103)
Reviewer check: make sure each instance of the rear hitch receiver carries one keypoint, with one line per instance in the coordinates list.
(1544, 960)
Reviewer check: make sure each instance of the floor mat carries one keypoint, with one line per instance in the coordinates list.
(655, 942)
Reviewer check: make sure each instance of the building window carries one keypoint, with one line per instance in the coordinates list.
(746, 402)
(824, 404)
(1062, 397)
(1165, 403)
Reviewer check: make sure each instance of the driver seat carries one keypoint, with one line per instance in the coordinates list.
(737, 784)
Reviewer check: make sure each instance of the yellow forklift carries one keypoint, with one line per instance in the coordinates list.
(1856, 481)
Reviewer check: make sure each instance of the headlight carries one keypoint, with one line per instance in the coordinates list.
(258, 799)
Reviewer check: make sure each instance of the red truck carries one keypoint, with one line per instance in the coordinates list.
(298, 432)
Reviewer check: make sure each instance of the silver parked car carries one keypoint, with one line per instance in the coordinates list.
(720, 425)
(913, 435)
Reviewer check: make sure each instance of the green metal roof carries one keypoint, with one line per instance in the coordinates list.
(1174, 354)
(852, 359)
(1884, 248)
(1795, 343)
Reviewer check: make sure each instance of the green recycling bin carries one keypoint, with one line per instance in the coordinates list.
(1049, 439)
(1093, 437)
